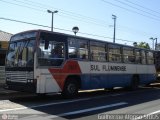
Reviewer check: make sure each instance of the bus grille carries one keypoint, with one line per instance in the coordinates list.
(19, 76)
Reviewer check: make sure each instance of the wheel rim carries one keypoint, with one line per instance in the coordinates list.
(71, 88)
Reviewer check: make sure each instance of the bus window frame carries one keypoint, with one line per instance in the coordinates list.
(126, 48)
(153, 59)
(113, 46)
(43, 36)
(145, 57)
(76, 46)
(99, 45)
(86, 49)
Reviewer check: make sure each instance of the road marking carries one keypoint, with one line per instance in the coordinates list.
(49, 104)
(83, 99)
(43, 105)
(88, 110)
(144, 116)
(93, 109)
(79, 111)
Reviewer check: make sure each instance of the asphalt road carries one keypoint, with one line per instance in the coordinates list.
(143, 103)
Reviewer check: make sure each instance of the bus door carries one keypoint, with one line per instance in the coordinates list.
(51, 54)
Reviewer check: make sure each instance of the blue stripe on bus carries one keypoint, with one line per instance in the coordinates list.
(109, 81)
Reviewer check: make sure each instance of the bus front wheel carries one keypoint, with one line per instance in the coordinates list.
(70, 89)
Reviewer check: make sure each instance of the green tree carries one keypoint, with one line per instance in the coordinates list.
(141, 45)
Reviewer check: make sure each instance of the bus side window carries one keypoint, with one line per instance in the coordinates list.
(83, 49)
(52, 56)
(150, 58)
(114, 53)
(143, 55)
(98, 51)
(137, 56)
(128, 55)
(72, 48)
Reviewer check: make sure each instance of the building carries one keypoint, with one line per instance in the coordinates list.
(4, 39)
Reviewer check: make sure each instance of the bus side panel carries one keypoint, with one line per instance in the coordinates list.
(46, 82)
(147, 74)
(143, 79)
(119, 80)
(101, 75)
(93, 75)
(105, 81)
(147, 78)
(97, 74)
(152, 74)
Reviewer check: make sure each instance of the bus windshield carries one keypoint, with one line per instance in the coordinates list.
(21, 52)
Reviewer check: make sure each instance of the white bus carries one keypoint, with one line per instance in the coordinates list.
(81, 64)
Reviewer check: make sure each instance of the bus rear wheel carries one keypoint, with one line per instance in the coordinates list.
(70, 89)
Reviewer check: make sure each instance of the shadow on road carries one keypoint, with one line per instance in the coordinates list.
(96, 99)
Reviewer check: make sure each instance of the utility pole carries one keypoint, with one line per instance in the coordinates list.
(52, 12)
(114, 17)
(154, 46)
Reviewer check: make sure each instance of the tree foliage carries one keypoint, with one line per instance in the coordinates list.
(141, 45)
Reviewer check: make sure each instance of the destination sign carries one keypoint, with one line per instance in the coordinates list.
(107, 68)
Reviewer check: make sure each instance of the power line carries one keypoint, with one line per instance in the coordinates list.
(21, 5)
(142, 7)
(135, 8)
(82, 20)
(130, 10)
(24, 22)
(68, 12)
(75, 16)
(8, 19)
(67, 15)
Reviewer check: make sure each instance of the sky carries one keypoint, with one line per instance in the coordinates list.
(137, 20)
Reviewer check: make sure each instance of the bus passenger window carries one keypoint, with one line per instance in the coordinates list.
(150, 58)
(72, 48)
(143, 55)
(114, 53)
(137, 57)
(53, 56)
(56, 52)
(98, 51)
(128, 55)
(77, 48)
(83, 49)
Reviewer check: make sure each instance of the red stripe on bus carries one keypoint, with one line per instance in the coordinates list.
(60, 74)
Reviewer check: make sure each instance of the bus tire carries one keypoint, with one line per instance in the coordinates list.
(70, 89)
(134, 83)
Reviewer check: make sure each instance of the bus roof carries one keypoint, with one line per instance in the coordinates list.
(78, 37)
